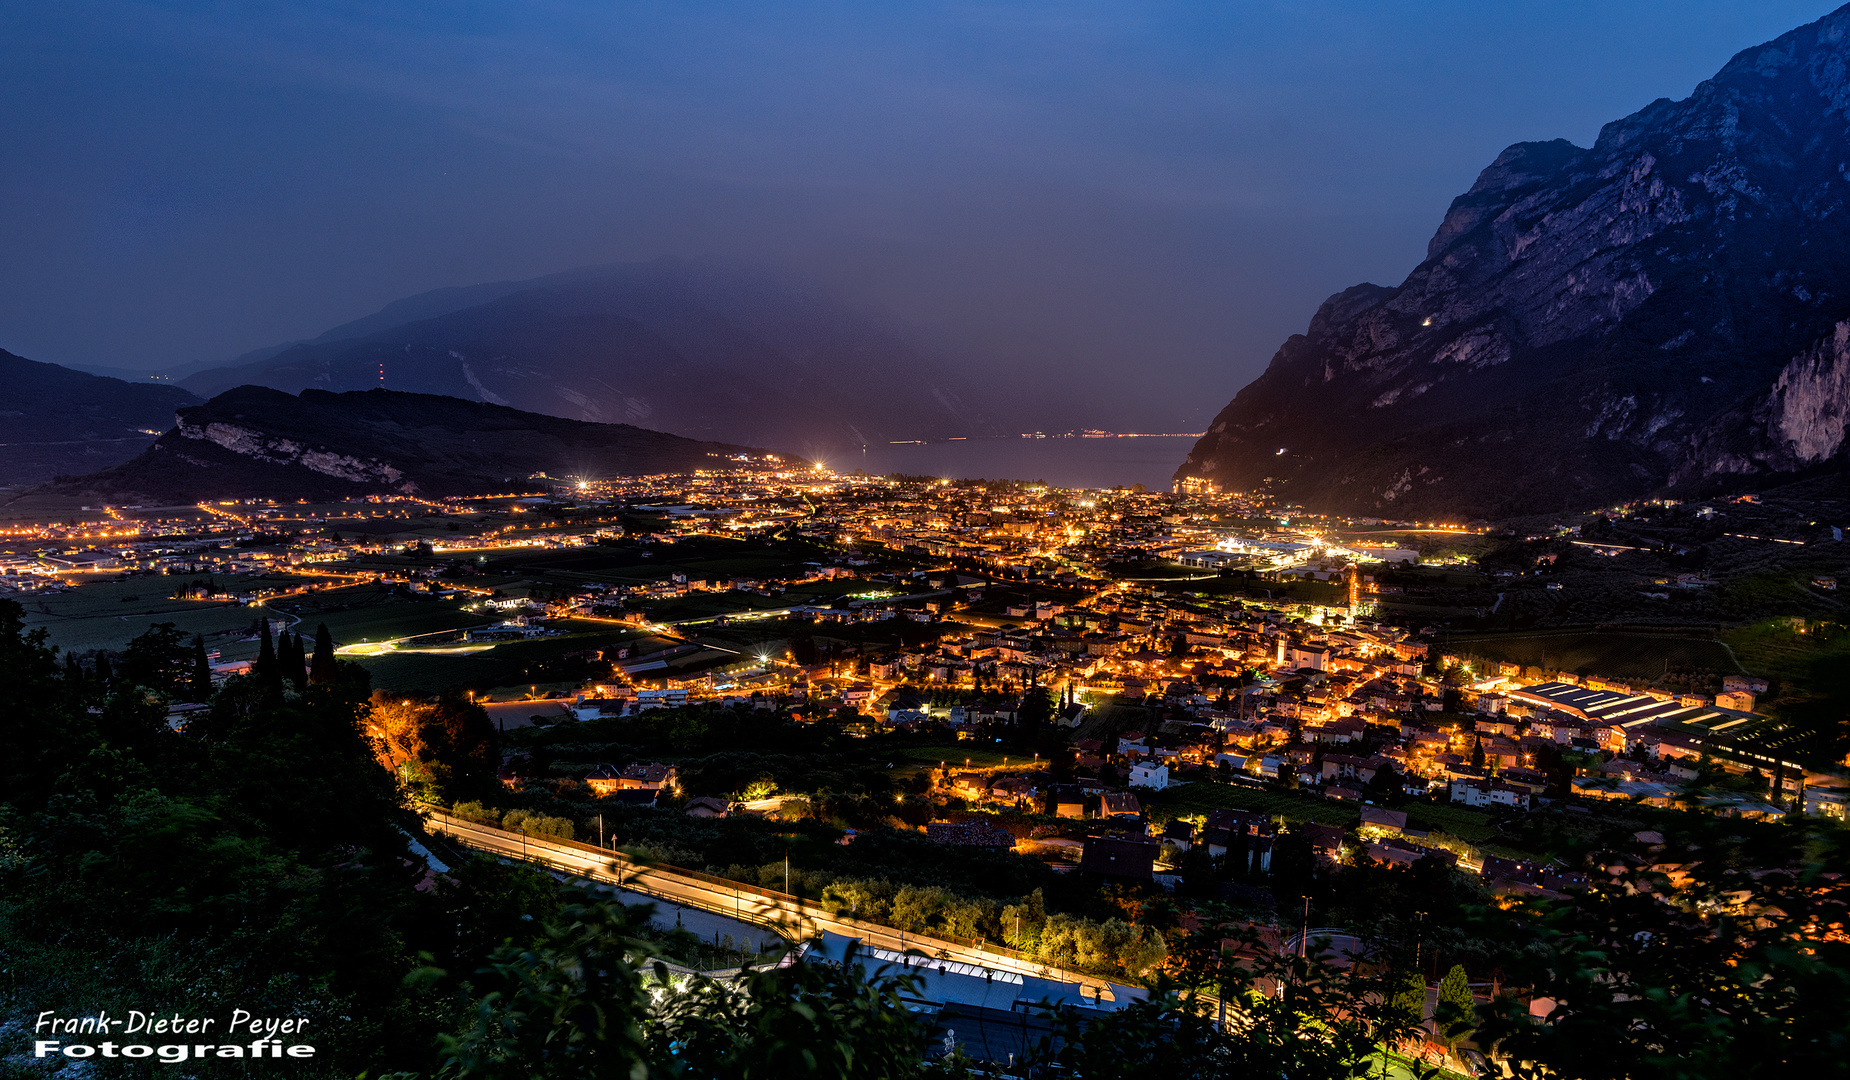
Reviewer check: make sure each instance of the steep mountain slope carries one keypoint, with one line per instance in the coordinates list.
(677, 348)
(255, 442)
(1662, 311)
(55, 421)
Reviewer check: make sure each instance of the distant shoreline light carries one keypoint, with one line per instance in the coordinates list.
(1088, 434)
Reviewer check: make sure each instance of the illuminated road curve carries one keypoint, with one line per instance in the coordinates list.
(793, 918)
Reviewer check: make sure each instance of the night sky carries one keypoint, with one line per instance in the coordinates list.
(1152, 195)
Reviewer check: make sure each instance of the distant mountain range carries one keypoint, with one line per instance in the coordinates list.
(255, 442)
(55, 421)
(674, 347)
(1665, 311)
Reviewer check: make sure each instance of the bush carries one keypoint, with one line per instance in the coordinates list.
(476, 812)
(537, 824)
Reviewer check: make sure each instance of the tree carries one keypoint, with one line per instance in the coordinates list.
(200, 688)
(1477, 753)
(1036, 710)
(1287, 1015)
(263, 837)
(444, 750)
(578, 1003)
(295, 666)
(1386, 786)
(1735, 967)
(1410, 1000)
(159, 660)
(268, 672)
(802, 640)
(286, 658)
(322, 670)
(1457, 1011)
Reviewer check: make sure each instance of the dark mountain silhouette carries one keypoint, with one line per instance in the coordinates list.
(678, 348)
(1667, 310)
(255, 442)
(57, 421)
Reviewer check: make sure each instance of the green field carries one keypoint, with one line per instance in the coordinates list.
(1810, 666)
(955, 753)
(385, 620)
(1613, 655)
(1202, 796)
(107, 614)
(1777, 649)
(509, 663)
(1470, 825)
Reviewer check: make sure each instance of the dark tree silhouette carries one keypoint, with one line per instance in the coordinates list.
(267, 669)
(322, 670)
(200, 688)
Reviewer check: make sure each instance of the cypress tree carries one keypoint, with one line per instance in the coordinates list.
(102, 670)
(202, 671)
(266, 668)
(1477, 753)
(322, 669)
(296, 667)
(73, 671)
(282, 656)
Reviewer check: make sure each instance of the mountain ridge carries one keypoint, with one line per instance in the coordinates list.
(686, 349)
(1648, 315)
(259, 442)
(58, 420)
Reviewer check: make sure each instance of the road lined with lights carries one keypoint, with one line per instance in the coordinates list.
(791, 917)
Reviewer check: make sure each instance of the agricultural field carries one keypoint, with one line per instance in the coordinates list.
(712, 605)
(1642, 657)
(1786, 651)
(369, 613)
(1473, 826)
(697, 557)
(1809, 664)
(566, 659)
(107, 614)
(956, 753)
(1202, 796)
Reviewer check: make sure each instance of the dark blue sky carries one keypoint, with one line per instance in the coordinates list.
(1150, 195)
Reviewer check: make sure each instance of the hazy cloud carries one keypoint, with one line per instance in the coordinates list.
(1145, 197)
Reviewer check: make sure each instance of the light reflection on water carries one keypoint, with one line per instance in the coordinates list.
(1061, 462)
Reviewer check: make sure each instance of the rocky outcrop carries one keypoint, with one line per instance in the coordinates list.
(1588, 324)
(1798, 424)
(1811, 400)
(255, 442)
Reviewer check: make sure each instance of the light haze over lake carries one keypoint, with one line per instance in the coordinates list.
(1061, 462)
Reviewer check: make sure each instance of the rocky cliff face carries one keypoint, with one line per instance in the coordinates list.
(1662, 310)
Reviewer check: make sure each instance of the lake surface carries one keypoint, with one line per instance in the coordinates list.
(1075, 463)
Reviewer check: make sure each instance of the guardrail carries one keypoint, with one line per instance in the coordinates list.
(452, 825)
(807, 911)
